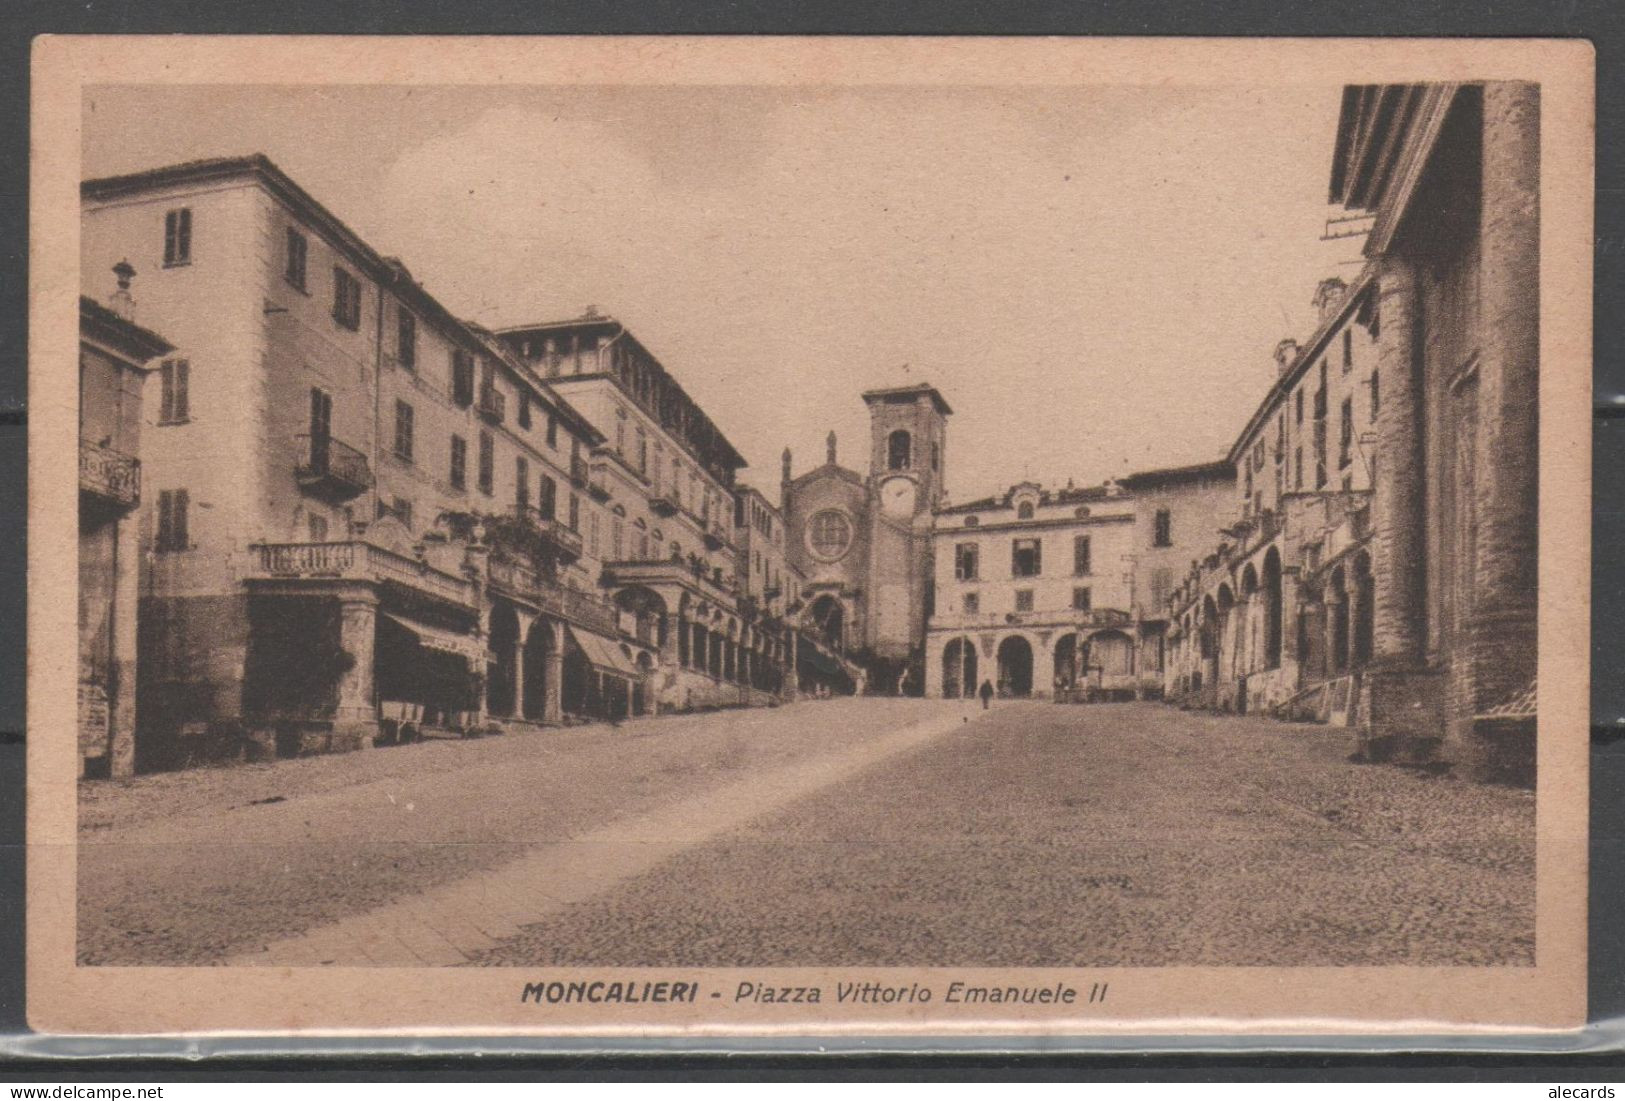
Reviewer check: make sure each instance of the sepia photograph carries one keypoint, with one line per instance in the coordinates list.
(926, 548)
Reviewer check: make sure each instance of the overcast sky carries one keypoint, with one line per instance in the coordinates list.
(1094, 277)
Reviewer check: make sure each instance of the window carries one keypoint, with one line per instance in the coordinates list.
(346, 299)
(592, 533)
(1348, 349)
(972, 521)
(617, 538)
(400, 508)
(1320, 433)
(321, 429)
(521, 481)
(1024, 600)
(548, 497)
(575, 510)
(178, 237)
(524, 409)
(1162, 581)
(175, 406)
(1162, 532)
(318, 528)
(1298, 403)
(620, 431)
(1297, 468)
(459, 462)
(1026, 558)
(552, 431)
(972, 603)
(899, 450)
(406, 338)
(1375, 404)
(462, 378)
(1345, 435)
(936, 456)
(1024, 511)
(403, 431)
(967, 563)
(643, 452)
(831, 534)
(172, 528)
(297, 249)
(487, 473)
(1080, 556)
(1080, 598)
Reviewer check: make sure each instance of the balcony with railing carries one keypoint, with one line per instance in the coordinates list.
(492, 404)
(554, 535)
(331, 470)
(356, 560)
(584, 609)
(657, 572)
(109, 476)
(662, 504)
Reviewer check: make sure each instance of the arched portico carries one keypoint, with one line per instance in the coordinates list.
(1015, 658)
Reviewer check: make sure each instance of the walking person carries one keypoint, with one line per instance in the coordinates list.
(986, 692)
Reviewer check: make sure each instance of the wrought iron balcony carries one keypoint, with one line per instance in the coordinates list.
(331, 470)
(587, 610)
(714, 537)
(493, 404)
(564, 543)
(662, 505)
(109, 475)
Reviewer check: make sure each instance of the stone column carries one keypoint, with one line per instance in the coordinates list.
(126, 589)
(553, 705)
(1508, 466)
(792, 677)
(1398, 564)
(519, 664)
(356, 719)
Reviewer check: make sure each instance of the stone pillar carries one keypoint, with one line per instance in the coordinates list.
(792, 677)
(1508, 467)
(356, 719)
(519, 664)
(553, 705)
(121, 707)
(1399, 548)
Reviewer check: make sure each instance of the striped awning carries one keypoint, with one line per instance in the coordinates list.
(604, 654)
(441, 639)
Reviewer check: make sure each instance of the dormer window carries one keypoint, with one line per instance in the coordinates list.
(1024, 511)
(972, 521)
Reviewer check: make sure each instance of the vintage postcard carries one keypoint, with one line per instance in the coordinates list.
(696, 537)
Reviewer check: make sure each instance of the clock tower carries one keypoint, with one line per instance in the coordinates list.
(907, 453)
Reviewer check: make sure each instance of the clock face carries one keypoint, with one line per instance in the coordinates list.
(897, 497)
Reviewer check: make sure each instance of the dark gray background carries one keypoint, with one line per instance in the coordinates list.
(1601, 21)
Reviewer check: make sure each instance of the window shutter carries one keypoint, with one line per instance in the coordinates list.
(178, 520)
(183, 407)
(185, 235)
(166, 505)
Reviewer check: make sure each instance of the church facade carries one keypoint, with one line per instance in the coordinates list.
(862, 538)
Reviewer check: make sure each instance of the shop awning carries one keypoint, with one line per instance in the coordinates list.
(442, 639)
(604, 654)
(818, 661)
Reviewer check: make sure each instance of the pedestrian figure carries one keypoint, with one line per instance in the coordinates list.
(986, 693)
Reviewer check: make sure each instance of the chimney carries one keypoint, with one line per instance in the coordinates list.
(786, 463)
(1286, 354)
(121, 302)
(829, 447)
(1329, 295)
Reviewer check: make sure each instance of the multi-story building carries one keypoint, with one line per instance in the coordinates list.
(1043, 592)
(770, 585)
(1276, 614)
(364, 516)
(115, 357)
(661, 520)
(1380, 570)
(1450, 174)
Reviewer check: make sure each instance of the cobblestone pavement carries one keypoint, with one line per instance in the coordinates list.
(847, 832)
(196, 867)
(1126, 835)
